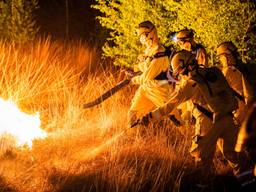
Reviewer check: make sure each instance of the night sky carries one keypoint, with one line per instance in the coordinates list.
(82, 23)
(51, 18)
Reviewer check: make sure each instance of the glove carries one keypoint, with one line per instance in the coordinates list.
(129, 73)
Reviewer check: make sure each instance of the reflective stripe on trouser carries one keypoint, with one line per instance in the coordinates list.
(223, 128)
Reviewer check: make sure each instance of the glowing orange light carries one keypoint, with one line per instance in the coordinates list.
(92, 153)
(23, 127)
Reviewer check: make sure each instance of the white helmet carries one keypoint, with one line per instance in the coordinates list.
(147, 31)
(226, 48)
(185, 34)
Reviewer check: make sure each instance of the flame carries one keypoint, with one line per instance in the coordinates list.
(23, 127)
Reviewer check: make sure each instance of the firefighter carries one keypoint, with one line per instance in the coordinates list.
(232, 69)
(246, 141)
(153, 88)
(210, 93)
(185, 39)
(247, 135)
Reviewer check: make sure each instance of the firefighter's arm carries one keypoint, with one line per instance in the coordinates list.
(181, 95)
(155, 67)
(202, 58)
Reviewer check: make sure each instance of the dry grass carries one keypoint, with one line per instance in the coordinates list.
(86, 150)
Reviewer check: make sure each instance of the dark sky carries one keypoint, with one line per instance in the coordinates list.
(51, 17)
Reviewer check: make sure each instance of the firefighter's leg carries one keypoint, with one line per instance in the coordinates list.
(203, 147)
(202, 127)
(203, 158)
(229, 135)
(141, 105)
(203, 123)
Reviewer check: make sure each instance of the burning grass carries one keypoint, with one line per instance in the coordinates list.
(85, 150)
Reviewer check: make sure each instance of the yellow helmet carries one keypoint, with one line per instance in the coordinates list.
(226, 48)
(185, 34)
(147, 32)
(181, 61)
(145, 27)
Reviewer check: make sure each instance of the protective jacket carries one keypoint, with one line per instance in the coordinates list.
(201, 55)
(208, 88)
(241, 88)
(152, 92)
(188, 108)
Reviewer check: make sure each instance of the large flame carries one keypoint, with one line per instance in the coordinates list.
(24, 128)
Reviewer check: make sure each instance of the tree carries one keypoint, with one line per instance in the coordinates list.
(121, 18)
(213, 21)
(216, 21)
(5, 15)
(17, 21)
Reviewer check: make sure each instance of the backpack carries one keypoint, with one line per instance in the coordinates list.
(166, 75)
(216, 90)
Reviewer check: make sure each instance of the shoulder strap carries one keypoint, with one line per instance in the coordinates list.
(169, 51)
(160, 54)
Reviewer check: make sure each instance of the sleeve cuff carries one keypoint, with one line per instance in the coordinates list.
(135, 80)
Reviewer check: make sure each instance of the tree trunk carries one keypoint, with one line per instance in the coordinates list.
(67, 19)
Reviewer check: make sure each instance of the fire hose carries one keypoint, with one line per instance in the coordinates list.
(110, 92)
(118, 87)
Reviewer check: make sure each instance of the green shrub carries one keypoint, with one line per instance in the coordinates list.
(213, 21)
(17, 21)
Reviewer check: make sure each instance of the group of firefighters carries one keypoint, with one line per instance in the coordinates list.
(218, 99)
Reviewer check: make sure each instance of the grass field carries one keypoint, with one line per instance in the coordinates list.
(87, 150)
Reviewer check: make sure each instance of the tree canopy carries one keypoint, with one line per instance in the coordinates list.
(213, 21)
(16, 20)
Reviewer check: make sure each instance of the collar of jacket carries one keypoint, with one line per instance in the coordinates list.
(152, 50)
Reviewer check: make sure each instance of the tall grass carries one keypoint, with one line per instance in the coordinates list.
(86, 150)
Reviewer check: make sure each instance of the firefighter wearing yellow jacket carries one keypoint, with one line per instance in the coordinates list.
(210, 93)
(153, 89)
(228, 56)
(185, 39)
